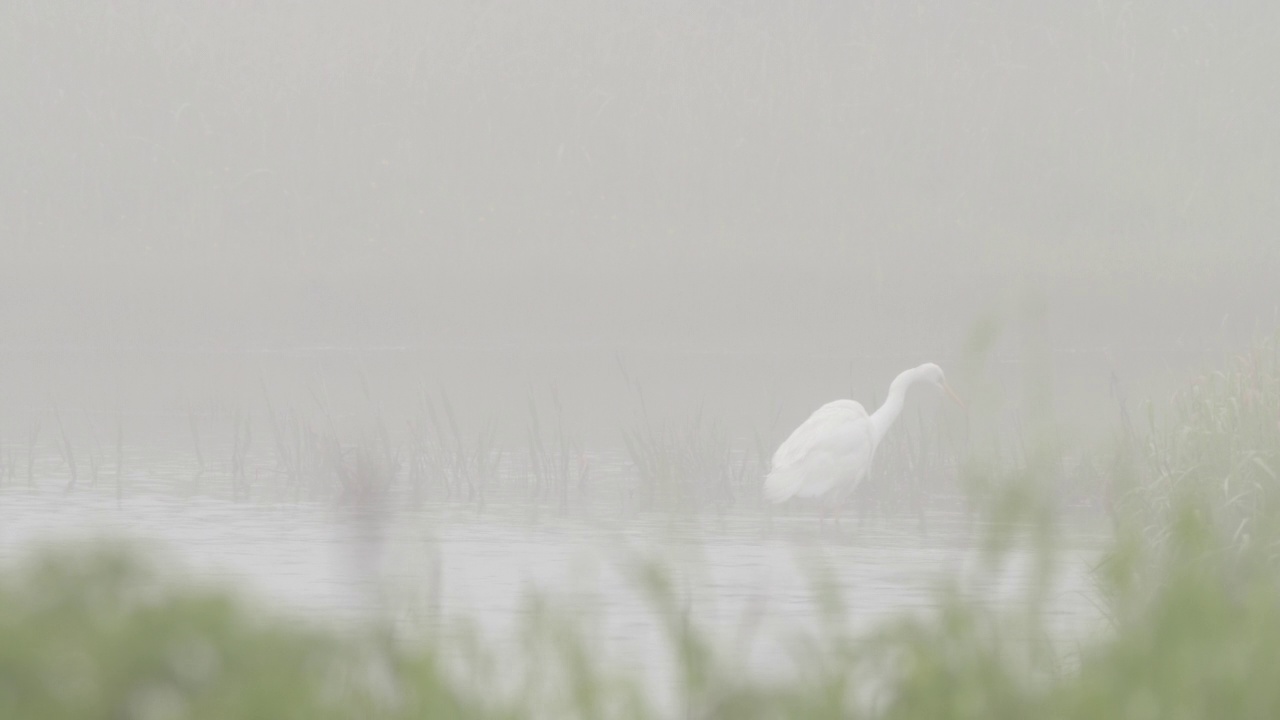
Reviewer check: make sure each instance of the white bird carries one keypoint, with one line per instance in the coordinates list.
(828, 456)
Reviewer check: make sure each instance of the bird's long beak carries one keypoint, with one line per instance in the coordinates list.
(952, 393)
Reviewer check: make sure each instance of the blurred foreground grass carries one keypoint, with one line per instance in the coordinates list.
(1191, 585)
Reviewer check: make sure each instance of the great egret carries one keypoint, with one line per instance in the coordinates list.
(830, 453)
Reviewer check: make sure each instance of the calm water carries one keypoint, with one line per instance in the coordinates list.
(741, 576)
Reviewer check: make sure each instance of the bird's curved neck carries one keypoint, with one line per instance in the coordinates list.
(883, 418)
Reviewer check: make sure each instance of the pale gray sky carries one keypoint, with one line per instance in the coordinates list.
(791, 177)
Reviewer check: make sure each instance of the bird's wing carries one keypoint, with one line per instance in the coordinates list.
(833, 446)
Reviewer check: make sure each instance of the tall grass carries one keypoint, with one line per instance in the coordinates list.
(119, 458)
(7, 466)
(1191, 586)
(557, 462)
(33, 437)
(439, 455)
(1205, 476)
(466, 465)
(1224, 443)
(690, 467)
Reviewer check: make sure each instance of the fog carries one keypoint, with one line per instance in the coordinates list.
(807, 176)
(625, 215)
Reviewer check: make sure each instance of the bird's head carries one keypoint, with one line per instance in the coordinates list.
(933, 375)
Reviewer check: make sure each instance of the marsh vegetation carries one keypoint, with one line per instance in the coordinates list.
(426, 359)
(1187, 583)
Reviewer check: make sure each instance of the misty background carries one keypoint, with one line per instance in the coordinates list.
(410, 313)
(754, 205)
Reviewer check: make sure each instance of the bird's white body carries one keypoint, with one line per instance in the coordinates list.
(829, 455)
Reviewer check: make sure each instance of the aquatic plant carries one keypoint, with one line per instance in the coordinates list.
(1191, 588)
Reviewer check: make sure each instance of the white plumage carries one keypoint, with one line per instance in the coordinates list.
(833, 444)
(831, 452)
